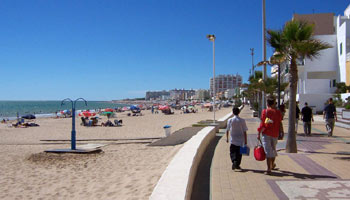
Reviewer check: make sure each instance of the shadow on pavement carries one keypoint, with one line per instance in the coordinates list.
(201, 184)
(281, 173)
(343, 158)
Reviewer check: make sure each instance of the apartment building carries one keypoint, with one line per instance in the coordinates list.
(225, 82)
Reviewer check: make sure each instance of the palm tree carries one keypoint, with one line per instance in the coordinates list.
(295, 40)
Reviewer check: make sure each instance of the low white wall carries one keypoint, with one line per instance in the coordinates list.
(316, 101)
(223, 121)
(177, 180)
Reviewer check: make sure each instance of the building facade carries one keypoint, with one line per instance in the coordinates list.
(157, 95)
(225, 82)
(317, 78)
(202, 94)
(182, 94)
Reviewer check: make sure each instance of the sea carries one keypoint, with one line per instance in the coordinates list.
(10, 109)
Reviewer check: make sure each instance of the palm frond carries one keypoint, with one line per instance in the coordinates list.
(311, 48)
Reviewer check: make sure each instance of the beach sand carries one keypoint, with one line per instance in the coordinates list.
(126, 169)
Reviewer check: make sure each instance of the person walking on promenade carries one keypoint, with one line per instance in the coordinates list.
(270, 126)
(297, 115)
(282, 108)
(237, 129)
(307, 116)
(330, 114)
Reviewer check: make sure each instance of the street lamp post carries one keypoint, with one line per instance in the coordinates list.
(212, 38)
(252, 53)
(264, 51)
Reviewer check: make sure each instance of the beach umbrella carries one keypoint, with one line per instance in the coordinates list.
(65, 112)
(207, 105)
(109, 110)
(29, 116)
(108, 114)
(87, 114)
(133, 107)
(166, 107)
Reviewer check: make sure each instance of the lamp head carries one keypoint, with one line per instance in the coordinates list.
(211, 37)
(263, 63)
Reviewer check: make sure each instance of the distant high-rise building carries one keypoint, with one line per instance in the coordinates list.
(202, 94)
(181, 94)
(160, 95)
(225, 82)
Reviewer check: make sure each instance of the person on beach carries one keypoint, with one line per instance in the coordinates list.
(307, 116)
(237, 129)
(330, 114)
(270, 127)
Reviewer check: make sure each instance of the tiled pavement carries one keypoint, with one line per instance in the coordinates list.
(320, 169)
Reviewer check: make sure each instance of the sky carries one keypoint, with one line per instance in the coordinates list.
(116, 49)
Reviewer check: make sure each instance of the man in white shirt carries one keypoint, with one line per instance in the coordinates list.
(237, 128)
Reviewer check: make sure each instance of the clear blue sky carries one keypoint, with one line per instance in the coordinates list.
(110, 49)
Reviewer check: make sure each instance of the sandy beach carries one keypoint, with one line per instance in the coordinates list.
(126, 169)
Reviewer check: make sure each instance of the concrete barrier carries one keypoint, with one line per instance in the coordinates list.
(177, 180)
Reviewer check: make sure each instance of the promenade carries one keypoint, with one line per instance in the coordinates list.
(320, 169)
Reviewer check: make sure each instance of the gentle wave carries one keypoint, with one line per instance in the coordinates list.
(10, 109)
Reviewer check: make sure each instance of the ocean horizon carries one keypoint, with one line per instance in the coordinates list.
(48, 108)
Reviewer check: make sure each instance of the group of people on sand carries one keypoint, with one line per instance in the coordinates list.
(189, 109)
(21, 123)
(271, 130)
(94, 122)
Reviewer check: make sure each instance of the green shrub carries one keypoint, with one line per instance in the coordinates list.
(347, 106)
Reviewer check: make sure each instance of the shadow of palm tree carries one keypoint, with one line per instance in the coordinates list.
(283, 173)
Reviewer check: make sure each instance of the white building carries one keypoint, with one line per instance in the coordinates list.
(343, 46)
(318, 77)
(229, 93)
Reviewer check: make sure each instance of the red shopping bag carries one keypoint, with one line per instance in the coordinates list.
(259, 152)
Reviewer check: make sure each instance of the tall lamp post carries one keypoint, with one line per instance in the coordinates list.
(264, 50)
(252, 53)
(212, 38)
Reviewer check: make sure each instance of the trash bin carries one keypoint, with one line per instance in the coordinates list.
(167, 129)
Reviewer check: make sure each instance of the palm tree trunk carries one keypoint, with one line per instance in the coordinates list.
(291, 146)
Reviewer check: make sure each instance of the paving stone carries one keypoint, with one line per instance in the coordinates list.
(319, 171)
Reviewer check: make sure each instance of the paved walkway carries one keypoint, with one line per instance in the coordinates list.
(320, 169)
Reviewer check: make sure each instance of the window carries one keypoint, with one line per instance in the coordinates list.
(334, 83)
(341, 48)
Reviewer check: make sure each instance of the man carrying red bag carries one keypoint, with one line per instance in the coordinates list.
(271, 122)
